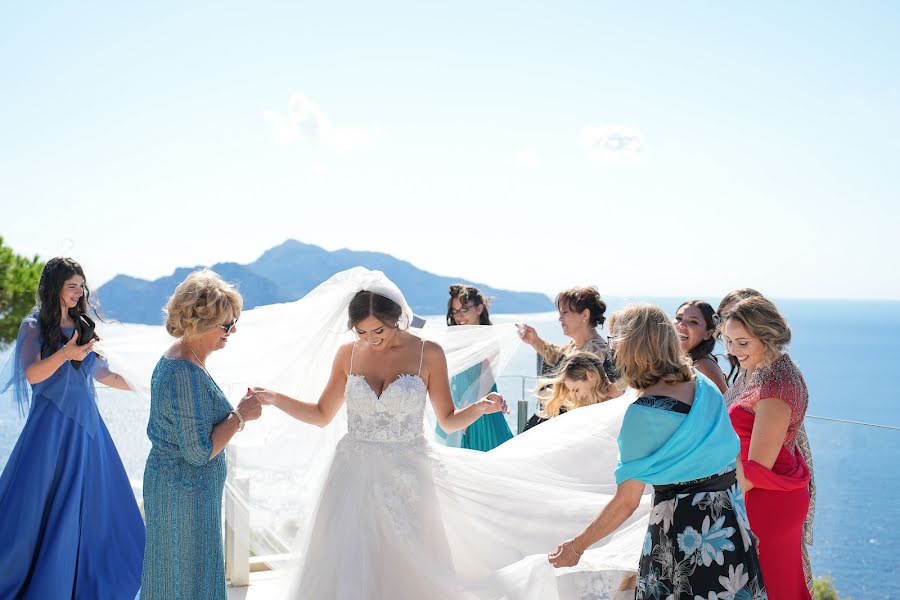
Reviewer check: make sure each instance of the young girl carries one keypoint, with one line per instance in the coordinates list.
(582, 381)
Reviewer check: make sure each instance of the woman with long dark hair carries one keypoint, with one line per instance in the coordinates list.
(68, 516)
(468, 306)
(695, 324)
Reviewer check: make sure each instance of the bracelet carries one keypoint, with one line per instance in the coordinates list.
(240, 420)
(575, 550)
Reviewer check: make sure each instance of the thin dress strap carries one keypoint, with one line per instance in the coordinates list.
(352, 350)
(421, 357)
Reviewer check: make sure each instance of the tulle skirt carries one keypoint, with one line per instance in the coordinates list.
(417, 520)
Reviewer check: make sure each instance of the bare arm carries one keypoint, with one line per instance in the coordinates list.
(250, 409)
(622, 506)
(529, 336)
(108, 378)
(447, 415)
(711, 369)
(322, 412)
(773, 416)
(40, 370)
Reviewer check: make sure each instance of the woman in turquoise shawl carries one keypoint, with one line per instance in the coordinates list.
(467, 306)
(678, 438)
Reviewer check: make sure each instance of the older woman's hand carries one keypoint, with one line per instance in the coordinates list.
(566, 555)
(528, 335)
(250, 407)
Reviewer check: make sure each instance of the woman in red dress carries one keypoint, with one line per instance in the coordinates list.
(767, 405)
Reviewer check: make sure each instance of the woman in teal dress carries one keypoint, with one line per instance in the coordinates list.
(467, 306)
(191, 422)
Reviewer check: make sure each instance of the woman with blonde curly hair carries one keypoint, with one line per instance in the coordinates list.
(191, 422)
(676, 437)
(767, 404)
(581, 381)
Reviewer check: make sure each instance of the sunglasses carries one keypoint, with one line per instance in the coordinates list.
(462, 311)
(229, 327)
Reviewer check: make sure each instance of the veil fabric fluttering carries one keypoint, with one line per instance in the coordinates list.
(519, 500)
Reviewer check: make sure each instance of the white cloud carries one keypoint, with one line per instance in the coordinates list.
(528, 158)
(613, 142)
(306, 121)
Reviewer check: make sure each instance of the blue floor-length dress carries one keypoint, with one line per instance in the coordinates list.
(69, 523)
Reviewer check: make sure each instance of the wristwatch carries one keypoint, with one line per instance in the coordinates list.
(240, 419)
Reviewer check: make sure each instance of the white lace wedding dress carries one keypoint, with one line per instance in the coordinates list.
(402, 518)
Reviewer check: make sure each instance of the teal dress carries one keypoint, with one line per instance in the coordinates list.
(489, 431)
(183, 556)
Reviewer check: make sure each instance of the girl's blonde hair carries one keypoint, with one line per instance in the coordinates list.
(200, 302)
(554, 395)
(762, 319)
(647, 348)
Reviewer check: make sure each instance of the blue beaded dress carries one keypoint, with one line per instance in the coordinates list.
(184, 558)
(69, 523)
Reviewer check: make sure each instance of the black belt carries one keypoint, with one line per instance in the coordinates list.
(717, 483)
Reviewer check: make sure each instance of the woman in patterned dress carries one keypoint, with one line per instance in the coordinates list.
(581, 312)
(677, 437)
(767, 404)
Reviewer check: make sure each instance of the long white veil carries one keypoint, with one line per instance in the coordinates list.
(290, 348)
(544, 486)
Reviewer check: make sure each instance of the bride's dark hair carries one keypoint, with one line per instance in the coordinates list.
(369, 304)
(54, 276)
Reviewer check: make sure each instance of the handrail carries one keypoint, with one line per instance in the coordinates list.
(523, 378)
(848, 421)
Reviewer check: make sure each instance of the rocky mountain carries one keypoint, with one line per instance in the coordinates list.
(290, 270)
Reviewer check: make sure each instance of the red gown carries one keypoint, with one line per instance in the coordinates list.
(778, 503)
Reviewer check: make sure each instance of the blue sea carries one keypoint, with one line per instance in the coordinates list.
(846, 350)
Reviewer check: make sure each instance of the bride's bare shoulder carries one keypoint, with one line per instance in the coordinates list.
(433, 351)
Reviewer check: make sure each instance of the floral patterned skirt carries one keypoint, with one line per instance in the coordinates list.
(699, 545)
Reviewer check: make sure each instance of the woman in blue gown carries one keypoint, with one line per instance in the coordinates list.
(467, 306)
(68, 518)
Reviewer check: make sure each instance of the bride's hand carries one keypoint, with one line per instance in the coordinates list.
(492, 403)
(263, 395)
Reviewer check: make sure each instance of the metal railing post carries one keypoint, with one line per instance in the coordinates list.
(522, 410)
(237, 527)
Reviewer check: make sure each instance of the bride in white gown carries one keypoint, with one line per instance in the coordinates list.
(399, 517)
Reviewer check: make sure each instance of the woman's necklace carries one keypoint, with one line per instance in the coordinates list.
(200, 362)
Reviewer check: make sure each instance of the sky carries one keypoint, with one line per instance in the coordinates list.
(667, 149)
